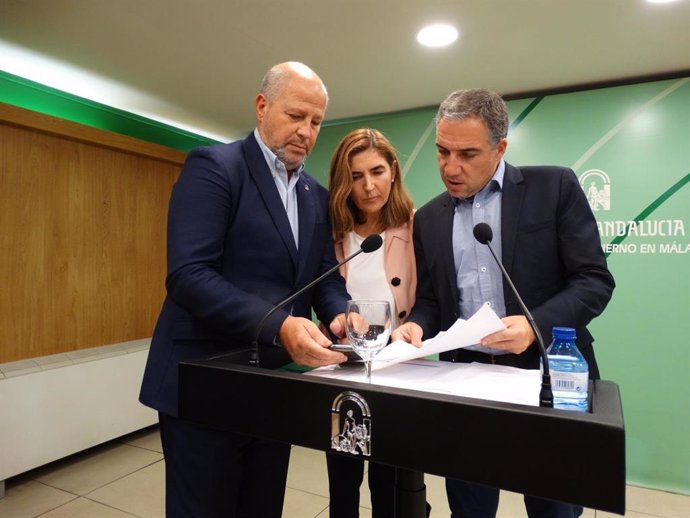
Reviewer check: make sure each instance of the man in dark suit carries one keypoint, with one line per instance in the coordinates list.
(247, 226)
(547, 237)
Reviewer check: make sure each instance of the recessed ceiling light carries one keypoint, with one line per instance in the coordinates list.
(437, 35)
(661, 1)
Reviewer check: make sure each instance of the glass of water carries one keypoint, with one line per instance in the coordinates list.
(368, 325)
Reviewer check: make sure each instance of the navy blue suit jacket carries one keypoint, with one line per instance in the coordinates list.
(231, 257)
(550, 247)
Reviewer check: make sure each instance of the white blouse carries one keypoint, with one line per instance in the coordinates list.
(366, 276)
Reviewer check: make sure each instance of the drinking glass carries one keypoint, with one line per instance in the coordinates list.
(368, 325)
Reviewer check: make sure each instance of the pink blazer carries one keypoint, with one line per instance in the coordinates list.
(399, 266)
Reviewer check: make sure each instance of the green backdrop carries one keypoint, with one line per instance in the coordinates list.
(630, 146)
(633, 142)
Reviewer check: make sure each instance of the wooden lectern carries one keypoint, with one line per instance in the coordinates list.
(566, 456)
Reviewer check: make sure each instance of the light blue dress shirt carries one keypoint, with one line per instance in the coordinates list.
(479, 278)
(287, 187)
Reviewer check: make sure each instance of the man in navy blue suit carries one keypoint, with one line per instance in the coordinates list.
(546, 234)
(247, 226)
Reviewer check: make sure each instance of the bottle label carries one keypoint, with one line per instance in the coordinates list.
(570, 382)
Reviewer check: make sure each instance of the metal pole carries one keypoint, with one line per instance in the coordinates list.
(410, 494)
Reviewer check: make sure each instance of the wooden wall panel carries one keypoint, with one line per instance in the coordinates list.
(82, 235)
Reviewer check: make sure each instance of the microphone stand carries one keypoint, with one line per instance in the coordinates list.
(545, 395)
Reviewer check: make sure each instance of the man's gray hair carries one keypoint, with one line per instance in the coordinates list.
(477, 103)
(273, 82)
(279, 75)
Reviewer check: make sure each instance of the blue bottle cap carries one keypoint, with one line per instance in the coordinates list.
(563, 333)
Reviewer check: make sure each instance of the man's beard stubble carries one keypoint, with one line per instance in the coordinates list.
(281, 155)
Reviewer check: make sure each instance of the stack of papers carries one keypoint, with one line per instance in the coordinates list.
(403, 365)
(475, 380)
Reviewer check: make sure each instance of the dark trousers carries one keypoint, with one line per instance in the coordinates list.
(215, 474)
(476, 501)
(345, 475)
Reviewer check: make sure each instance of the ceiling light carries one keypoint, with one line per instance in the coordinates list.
(661, 1)
(438, 35)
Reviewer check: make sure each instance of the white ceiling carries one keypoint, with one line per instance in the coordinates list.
(199, 62)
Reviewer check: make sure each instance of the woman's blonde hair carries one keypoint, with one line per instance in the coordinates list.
(343, 211)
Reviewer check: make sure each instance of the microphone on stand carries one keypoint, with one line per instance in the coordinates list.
(483, 233)
(370, 244)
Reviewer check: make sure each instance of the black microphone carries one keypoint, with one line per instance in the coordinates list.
(370, 244)
(483, 233)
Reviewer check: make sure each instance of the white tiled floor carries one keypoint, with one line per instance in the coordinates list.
(124, 479)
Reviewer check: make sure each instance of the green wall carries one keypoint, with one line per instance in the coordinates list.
(639, 137)
(40, 98)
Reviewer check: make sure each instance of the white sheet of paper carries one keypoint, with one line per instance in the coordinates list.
(462, 333)
(475, 380)
(493, 382)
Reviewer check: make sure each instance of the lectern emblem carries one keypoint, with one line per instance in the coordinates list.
(351, 424)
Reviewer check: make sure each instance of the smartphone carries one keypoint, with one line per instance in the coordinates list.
(346, 349)
(341, 348)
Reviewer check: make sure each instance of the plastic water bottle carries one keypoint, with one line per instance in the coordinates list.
(569, 371)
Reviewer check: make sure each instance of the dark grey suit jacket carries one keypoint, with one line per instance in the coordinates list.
(551, 249)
